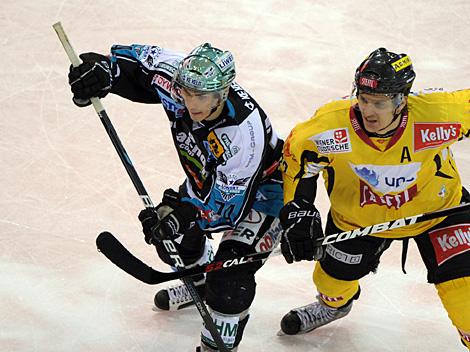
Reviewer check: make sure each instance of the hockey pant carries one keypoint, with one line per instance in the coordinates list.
(230, 292)
(444, 250)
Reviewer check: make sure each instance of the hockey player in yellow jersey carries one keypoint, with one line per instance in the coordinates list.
(384, 154)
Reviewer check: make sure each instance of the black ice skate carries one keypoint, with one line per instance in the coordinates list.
(307, 318)
(177, 297)
(205, 348)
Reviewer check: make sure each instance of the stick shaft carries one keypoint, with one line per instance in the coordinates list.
(392, 224)
(119, 255)
(99, 108)
(126, 161)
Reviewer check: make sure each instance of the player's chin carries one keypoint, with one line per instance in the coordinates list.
(199, 116)
(372, 126)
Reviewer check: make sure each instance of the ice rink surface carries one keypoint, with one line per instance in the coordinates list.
(62, 182)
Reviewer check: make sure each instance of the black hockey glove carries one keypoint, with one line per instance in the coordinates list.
(92, 78)
(302, 226)
(171, 218)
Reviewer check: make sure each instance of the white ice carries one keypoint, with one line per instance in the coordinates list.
(62, 182)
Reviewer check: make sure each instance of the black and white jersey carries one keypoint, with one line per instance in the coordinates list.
(230, 162)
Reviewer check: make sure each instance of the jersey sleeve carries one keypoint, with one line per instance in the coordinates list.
(462, 98)
(450, 107)
(133, 68)
(237, 178)
(302, 162)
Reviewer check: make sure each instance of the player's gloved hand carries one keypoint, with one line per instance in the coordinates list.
(92, 78)
(301, 223)
(171, 218)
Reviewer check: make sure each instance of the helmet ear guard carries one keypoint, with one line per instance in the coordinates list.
(384, 72)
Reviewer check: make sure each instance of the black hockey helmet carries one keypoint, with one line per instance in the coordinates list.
(384, 72)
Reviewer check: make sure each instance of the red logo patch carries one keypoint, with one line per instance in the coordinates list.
(368, 196)
(341, 136)
(162, 82)
(450, 241)
(368, 82)
(432, 135)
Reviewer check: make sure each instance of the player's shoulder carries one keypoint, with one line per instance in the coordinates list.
(438, 96)
(242, 106)
(333, 114)
(152, 57)
(335, 106)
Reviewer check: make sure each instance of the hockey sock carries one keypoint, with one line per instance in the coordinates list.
(230, 326)
(333, 292)
(455, 296)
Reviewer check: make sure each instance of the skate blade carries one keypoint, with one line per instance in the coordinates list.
(282, 333)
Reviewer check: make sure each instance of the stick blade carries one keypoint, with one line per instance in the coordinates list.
(121, 257)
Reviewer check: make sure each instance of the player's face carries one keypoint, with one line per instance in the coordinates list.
(199, 104)
(377, 112)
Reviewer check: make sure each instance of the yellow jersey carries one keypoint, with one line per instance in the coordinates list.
(373, 180)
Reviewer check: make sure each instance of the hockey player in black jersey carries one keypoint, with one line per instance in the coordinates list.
(229, 152)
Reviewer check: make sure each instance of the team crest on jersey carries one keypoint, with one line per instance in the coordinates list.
(333, 141)
(450, 241)
(230, 185)
(433, 135)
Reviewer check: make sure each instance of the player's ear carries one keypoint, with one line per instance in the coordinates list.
(224, 94)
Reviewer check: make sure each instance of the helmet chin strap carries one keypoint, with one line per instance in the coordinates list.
(395, 117)
(396, 114)
(220, 100)
(214, 108)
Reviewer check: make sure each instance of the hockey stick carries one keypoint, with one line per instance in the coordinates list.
(126, 161)
(119, 255)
